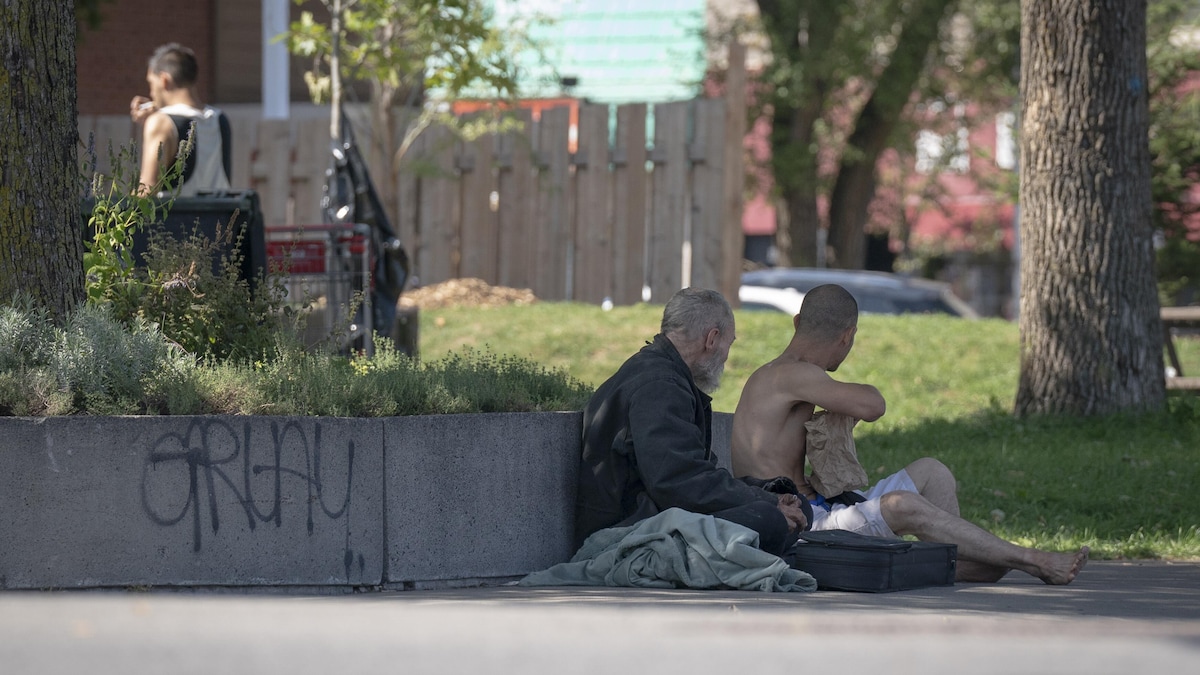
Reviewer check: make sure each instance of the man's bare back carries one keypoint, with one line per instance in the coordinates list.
(768, 427)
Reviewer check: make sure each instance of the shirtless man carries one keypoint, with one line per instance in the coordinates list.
(769, 440)
(169, 114)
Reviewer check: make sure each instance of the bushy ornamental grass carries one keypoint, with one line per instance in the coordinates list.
(98, 365)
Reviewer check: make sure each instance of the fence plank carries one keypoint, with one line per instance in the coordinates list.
(593, 208)
(406, 210)
(553, 236)
(479, 239)
(109, 132)
(629, 204)
(514, 183)
(668, 230)
(708, 181)
(270, 176)
(243, 141)
(438, 256)
(308, 170)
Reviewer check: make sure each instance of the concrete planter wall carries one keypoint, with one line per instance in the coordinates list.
(334, 503)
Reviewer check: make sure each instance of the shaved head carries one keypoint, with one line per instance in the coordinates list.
(827, 312)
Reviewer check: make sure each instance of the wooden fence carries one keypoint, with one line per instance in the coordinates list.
(621, 213)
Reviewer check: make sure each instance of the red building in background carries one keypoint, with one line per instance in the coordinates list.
(225, 34)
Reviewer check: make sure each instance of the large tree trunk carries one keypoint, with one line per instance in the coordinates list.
(1091, 338)
(855, 185)
(41, 245)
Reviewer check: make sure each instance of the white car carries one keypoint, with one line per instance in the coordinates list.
(876, 292)
(775, 299)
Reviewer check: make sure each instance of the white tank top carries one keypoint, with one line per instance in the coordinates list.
(205, 169)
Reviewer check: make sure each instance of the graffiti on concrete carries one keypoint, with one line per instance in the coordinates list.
(211, 465)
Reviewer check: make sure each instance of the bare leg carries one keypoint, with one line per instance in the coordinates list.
(977, 572)
(935, 483)
(909, 513)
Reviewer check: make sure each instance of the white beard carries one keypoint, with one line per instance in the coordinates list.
(707, 374)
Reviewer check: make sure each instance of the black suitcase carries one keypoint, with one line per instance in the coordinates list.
(841, 560)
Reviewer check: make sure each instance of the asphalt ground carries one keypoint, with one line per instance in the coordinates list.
(1117, 617)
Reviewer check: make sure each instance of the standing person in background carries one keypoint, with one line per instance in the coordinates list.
(172, 111)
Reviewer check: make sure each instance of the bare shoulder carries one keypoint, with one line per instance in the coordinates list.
(782, 378)
(159, 126)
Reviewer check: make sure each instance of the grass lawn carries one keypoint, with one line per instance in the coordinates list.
(1122, 485)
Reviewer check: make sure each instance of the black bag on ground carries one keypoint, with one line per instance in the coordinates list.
(841, 560)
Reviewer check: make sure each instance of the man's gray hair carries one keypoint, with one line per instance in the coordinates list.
(692, 312)
(826, 312)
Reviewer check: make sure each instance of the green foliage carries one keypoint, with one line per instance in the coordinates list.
(407, 47)
(407, 51)
(104, 363)
(119, 212)
(24, 334)
(190, 289)
(93, 363)
(209, 313)
(490, 383)
(1172, 60)
(87, 12)
(390, 383)
(99, 365)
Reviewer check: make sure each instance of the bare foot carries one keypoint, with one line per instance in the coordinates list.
(1062, 568)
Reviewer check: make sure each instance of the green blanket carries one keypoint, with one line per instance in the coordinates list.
(675, 549)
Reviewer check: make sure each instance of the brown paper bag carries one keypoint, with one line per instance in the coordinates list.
(831, 454)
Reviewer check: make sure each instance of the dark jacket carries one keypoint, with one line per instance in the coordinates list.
(647, 437)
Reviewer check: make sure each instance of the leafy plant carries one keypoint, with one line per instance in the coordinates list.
(416, 56)
(1175, 147)
(195, 292)
(190, 289)
(120, 210)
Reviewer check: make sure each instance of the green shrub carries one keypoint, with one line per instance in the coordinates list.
(190, 288)
(491, 383)
(98, 365)
(209, 313)
(24, 333)
(104, 363)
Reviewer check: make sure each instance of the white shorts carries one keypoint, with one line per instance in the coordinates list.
(864, 517)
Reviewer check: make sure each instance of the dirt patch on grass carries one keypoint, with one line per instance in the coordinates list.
(465, 293)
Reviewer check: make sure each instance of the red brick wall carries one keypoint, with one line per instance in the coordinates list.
(112, 59)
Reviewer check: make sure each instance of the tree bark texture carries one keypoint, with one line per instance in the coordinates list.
(1091, 337)
(41, 245)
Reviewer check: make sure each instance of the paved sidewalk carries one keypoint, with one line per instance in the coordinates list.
(1118, 617)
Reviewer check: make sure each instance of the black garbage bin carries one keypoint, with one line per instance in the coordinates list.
(205, 214)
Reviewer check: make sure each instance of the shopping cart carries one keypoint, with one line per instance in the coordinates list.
(327, 268)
